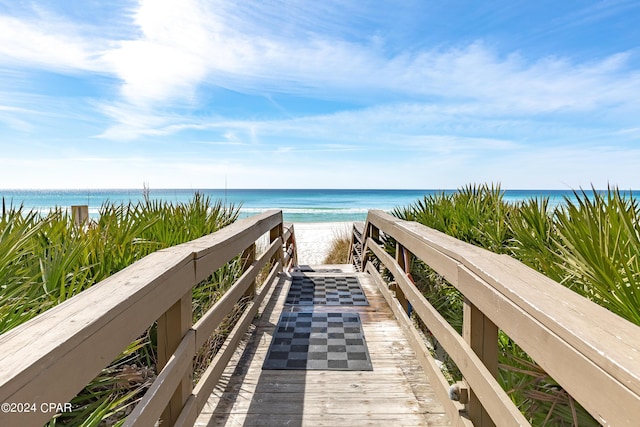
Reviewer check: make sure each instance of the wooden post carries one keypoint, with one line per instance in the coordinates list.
(248, 257)
(80, 214)
(291, 243)
(172, 326)
(401, 259)
(482, 335)
(274, 233)
(374, 233)
(352, 242)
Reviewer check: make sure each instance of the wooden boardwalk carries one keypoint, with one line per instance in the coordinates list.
(395, 392)
(591, 353)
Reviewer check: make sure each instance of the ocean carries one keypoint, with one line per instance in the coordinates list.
(297, 205)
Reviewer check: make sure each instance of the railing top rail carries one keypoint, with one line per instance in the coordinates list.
(608, 341)
(111, 314)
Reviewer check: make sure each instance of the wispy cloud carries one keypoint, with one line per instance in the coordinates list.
(11, 117)
(169, 66)
(184, 46)
(600, 10)
(53, 45)
(181, 46)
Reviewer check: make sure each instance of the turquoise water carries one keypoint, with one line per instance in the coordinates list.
(297, 205)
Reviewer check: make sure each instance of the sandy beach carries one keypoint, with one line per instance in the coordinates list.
(314, 239)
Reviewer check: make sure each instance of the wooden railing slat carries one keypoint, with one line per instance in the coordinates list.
(65, 321)
(493, 397)
(569, 336)
(441, 386)
(290, 244)
(212, 374)
(209, 321)
(609, 341)
(85, 333)
(577, 374)
(88, 333)
(540, 296)
(210, 251)
(148, 410)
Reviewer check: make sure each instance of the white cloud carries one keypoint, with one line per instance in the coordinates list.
(457, 112)
(184, 45)
(12, 117)
(476, 73)
(168, 60)
(54, 45)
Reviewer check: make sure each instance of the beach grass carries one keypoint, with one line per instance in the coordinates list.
(590, 243)
(47, 259)
(339, 250)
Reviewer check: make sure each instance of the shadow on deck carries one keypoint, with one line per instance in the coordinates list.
(395, 392)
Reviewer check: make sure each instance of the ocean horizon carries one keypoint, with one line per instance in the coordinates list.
(297, 205)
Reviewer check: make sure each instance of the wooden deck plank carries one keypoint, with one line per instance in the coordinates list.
(396, 391)
(270, 420)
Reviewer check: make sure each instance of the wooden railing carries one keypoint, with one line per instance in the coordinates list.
(592, 353)
(50, 358)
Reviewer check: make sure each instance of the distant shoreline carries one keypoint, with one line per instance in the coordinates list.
(298, 205)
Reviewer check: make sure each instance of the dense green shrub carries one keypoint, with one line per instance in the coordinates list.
(47, 259)
(590, 243)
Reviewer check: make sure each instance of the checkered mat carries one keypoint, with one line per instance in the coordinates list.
(341, 290)
(320, 341)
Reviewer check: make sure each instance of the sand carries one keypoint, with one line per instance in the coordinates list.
(314, 239)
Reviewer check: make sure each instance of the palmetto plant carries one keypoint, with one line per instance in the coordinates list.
(598, 247)
(473, 214)
(47, 259)
(20, 292)
(591, 244)
(534, 237)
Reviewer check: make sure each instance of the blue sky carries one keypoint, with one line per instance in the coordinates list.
(319, 94)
